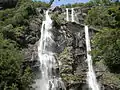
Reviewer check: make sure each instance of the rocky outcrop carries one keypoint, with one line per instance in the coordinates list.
(80, 14)
(70, 51)
(31, 37)
(72, 56)
(70, 40)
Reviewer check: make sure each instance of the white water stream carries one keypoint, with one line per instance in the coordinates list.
(91, 77)
(67, 14)
(72, 14)
(49, 79)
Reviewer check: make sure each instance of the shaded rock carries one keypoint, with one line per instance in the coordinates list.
(57, 10)
(73, 55)
(31, 37)
(31, 56)
(8, 3)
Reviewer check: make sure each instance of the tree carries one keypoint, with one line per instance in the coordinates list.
(13, 23)
(12, 77)
(107, 41)
(103, 2)
(101, 16)
(107, 48)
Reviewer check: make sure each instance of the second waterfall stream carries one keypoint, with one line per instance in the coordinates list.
(91, 77)
(49, 78)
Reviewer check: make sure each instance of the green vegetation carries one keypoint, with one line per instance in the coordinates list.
(41, 4)
(104, 16)
(70, 77)
(58, 19)
(101, 2)
(107, 41)
(107, 48)
(89, 4)
(12, 76)
(14, 22)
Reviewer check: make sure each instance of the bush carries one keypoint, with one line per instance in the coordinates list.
(12, 77)
(103, 16)
(88, 4)
(107, 48)
(14, 23)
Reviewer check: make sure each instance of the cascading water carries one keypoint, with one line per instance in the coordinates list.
(72, 14)
(49, 79)
(91, 77)
(67, 14)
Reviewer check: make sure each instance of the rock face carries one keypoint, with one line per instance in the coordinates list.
(80, 14)
(31, 37)
(72, 56)
(70, 50)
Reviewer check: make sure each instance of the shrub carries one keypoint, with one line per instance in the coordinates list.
(107, 48)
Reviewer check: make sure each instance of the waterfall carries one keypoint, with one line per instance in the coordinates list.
(49, 77)
(91, 77)
(72, 14)
(67, 14)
